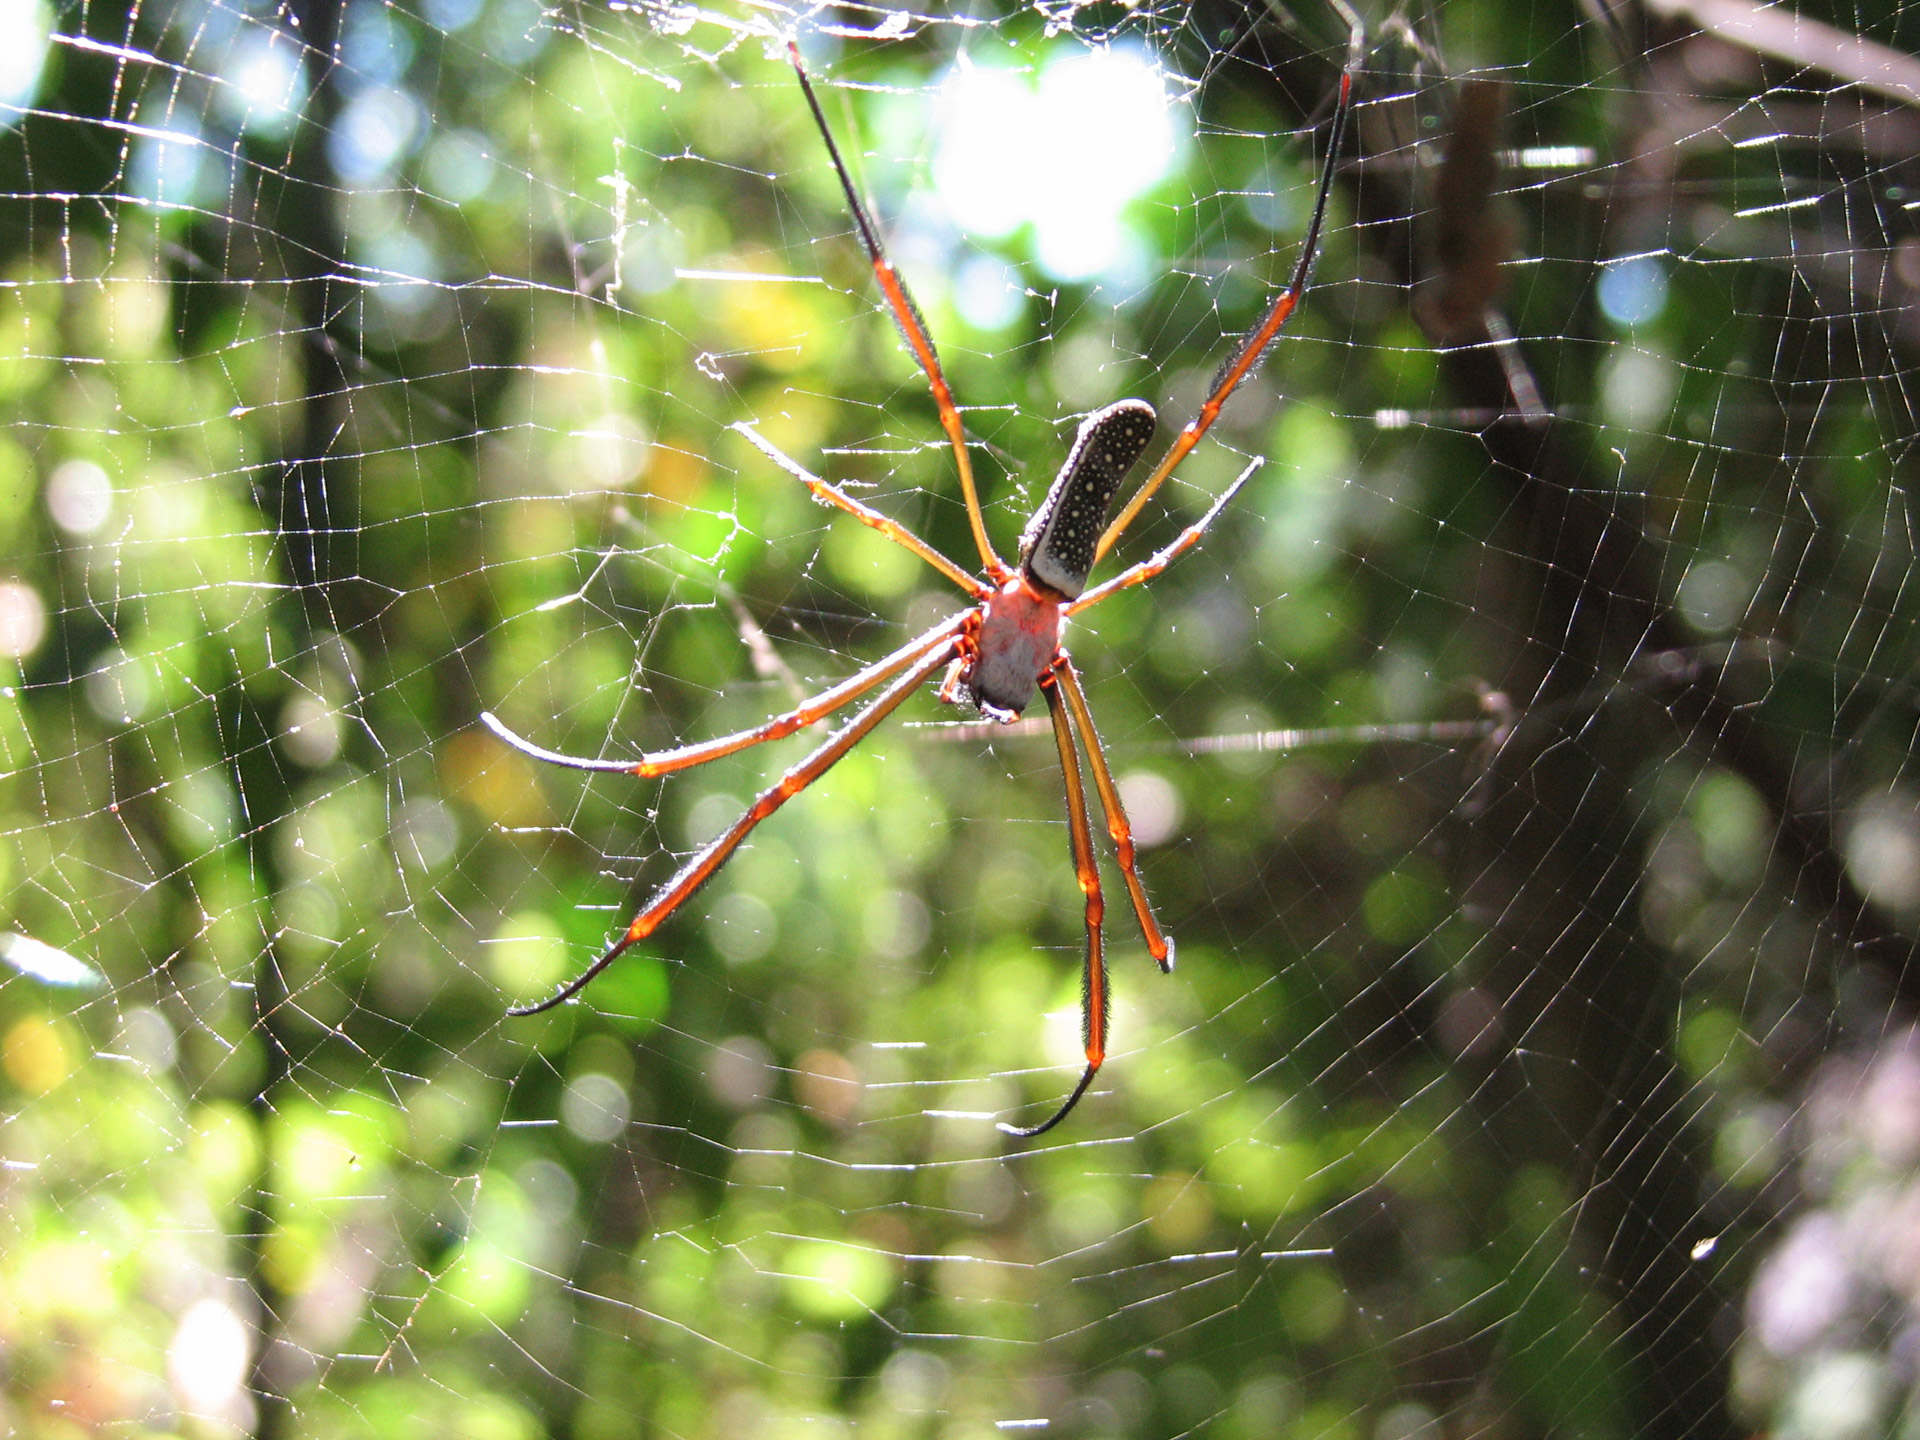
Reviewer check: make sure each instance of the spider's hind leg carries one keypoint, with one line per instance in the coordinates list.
(1119, 829)
(665, 762)
(702, 867)
(1094, 1000)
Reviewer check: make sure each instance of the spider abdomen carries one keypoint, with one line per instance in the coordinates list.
(1018, 637)
(1062, 539)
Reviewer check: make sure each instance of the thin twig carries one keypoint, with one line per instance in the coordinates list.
(1794, 37)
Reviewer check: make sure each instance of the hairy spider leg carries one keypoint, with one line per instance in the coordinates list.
(1119, 828)
(1093, 991)
(697, 871)
(1243, 360)
(913, 328)
(665, 762)
(832, 495)
(1160, 560)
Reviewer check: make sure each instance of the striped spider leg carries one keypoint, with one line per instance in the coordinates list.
(1006, 644)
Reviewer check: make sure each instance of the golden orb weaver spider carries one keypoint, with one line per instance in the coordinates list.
(1005, 645)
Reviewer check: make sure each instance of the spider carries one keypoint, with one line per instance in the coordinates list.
(1006, 644)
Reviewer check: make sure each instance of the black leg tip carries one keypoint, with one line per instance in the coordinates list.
(1029, 1132)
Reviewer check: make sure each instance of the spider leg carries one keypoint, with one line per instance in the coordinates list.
(701, 868)
(1185, 541)
(1118, 827)
(1244, 358)
(913, 328)
(665, 762)
(830, 494)
(1093, 994)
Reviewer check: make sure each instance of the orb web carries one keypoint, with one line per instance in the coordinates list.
(1521, 763)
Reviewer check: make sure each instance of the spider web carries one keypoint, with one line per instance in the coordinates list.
(1522, 763)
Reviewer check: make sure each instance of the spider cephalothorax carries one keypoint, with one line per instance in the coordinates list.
(1009, 644)
(1006, 645)
(1004, 648)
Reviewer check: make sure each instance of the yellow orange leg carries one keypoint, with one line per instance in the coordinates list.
(1093, 994)
(1158, 945)
(697, 871)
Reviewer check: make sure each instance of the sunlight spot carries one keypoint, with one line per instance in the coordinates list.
(1153, 805)
(147, 1037)
(742, 927)
(309, 732)
(595, 1107)
(740, 1072)
(459, 167)
(373, 134)
(26, 30)
(80, 497)
(830, 1281)
(1882, 848)
(118, 688)
(1633, 292)
(425, 834)
(914, 1382)
(1062, 1041)
(895, 924)
(23, 619)
(453, 15)
(1111, 138)
(1637, 388)
(43, 962)
(207, 1361)
(527, 954)
(34, 1055)
(265, 87)
(827, 1084)
(1840, 1397)
(988, 294)
(1714, 596)
(171, 168)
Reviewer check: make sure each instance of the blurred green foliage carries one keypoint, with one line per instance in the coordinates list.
(1357, 1167)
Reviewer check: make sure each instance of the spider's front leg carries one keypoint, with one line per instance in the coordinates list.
(1247, 355)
